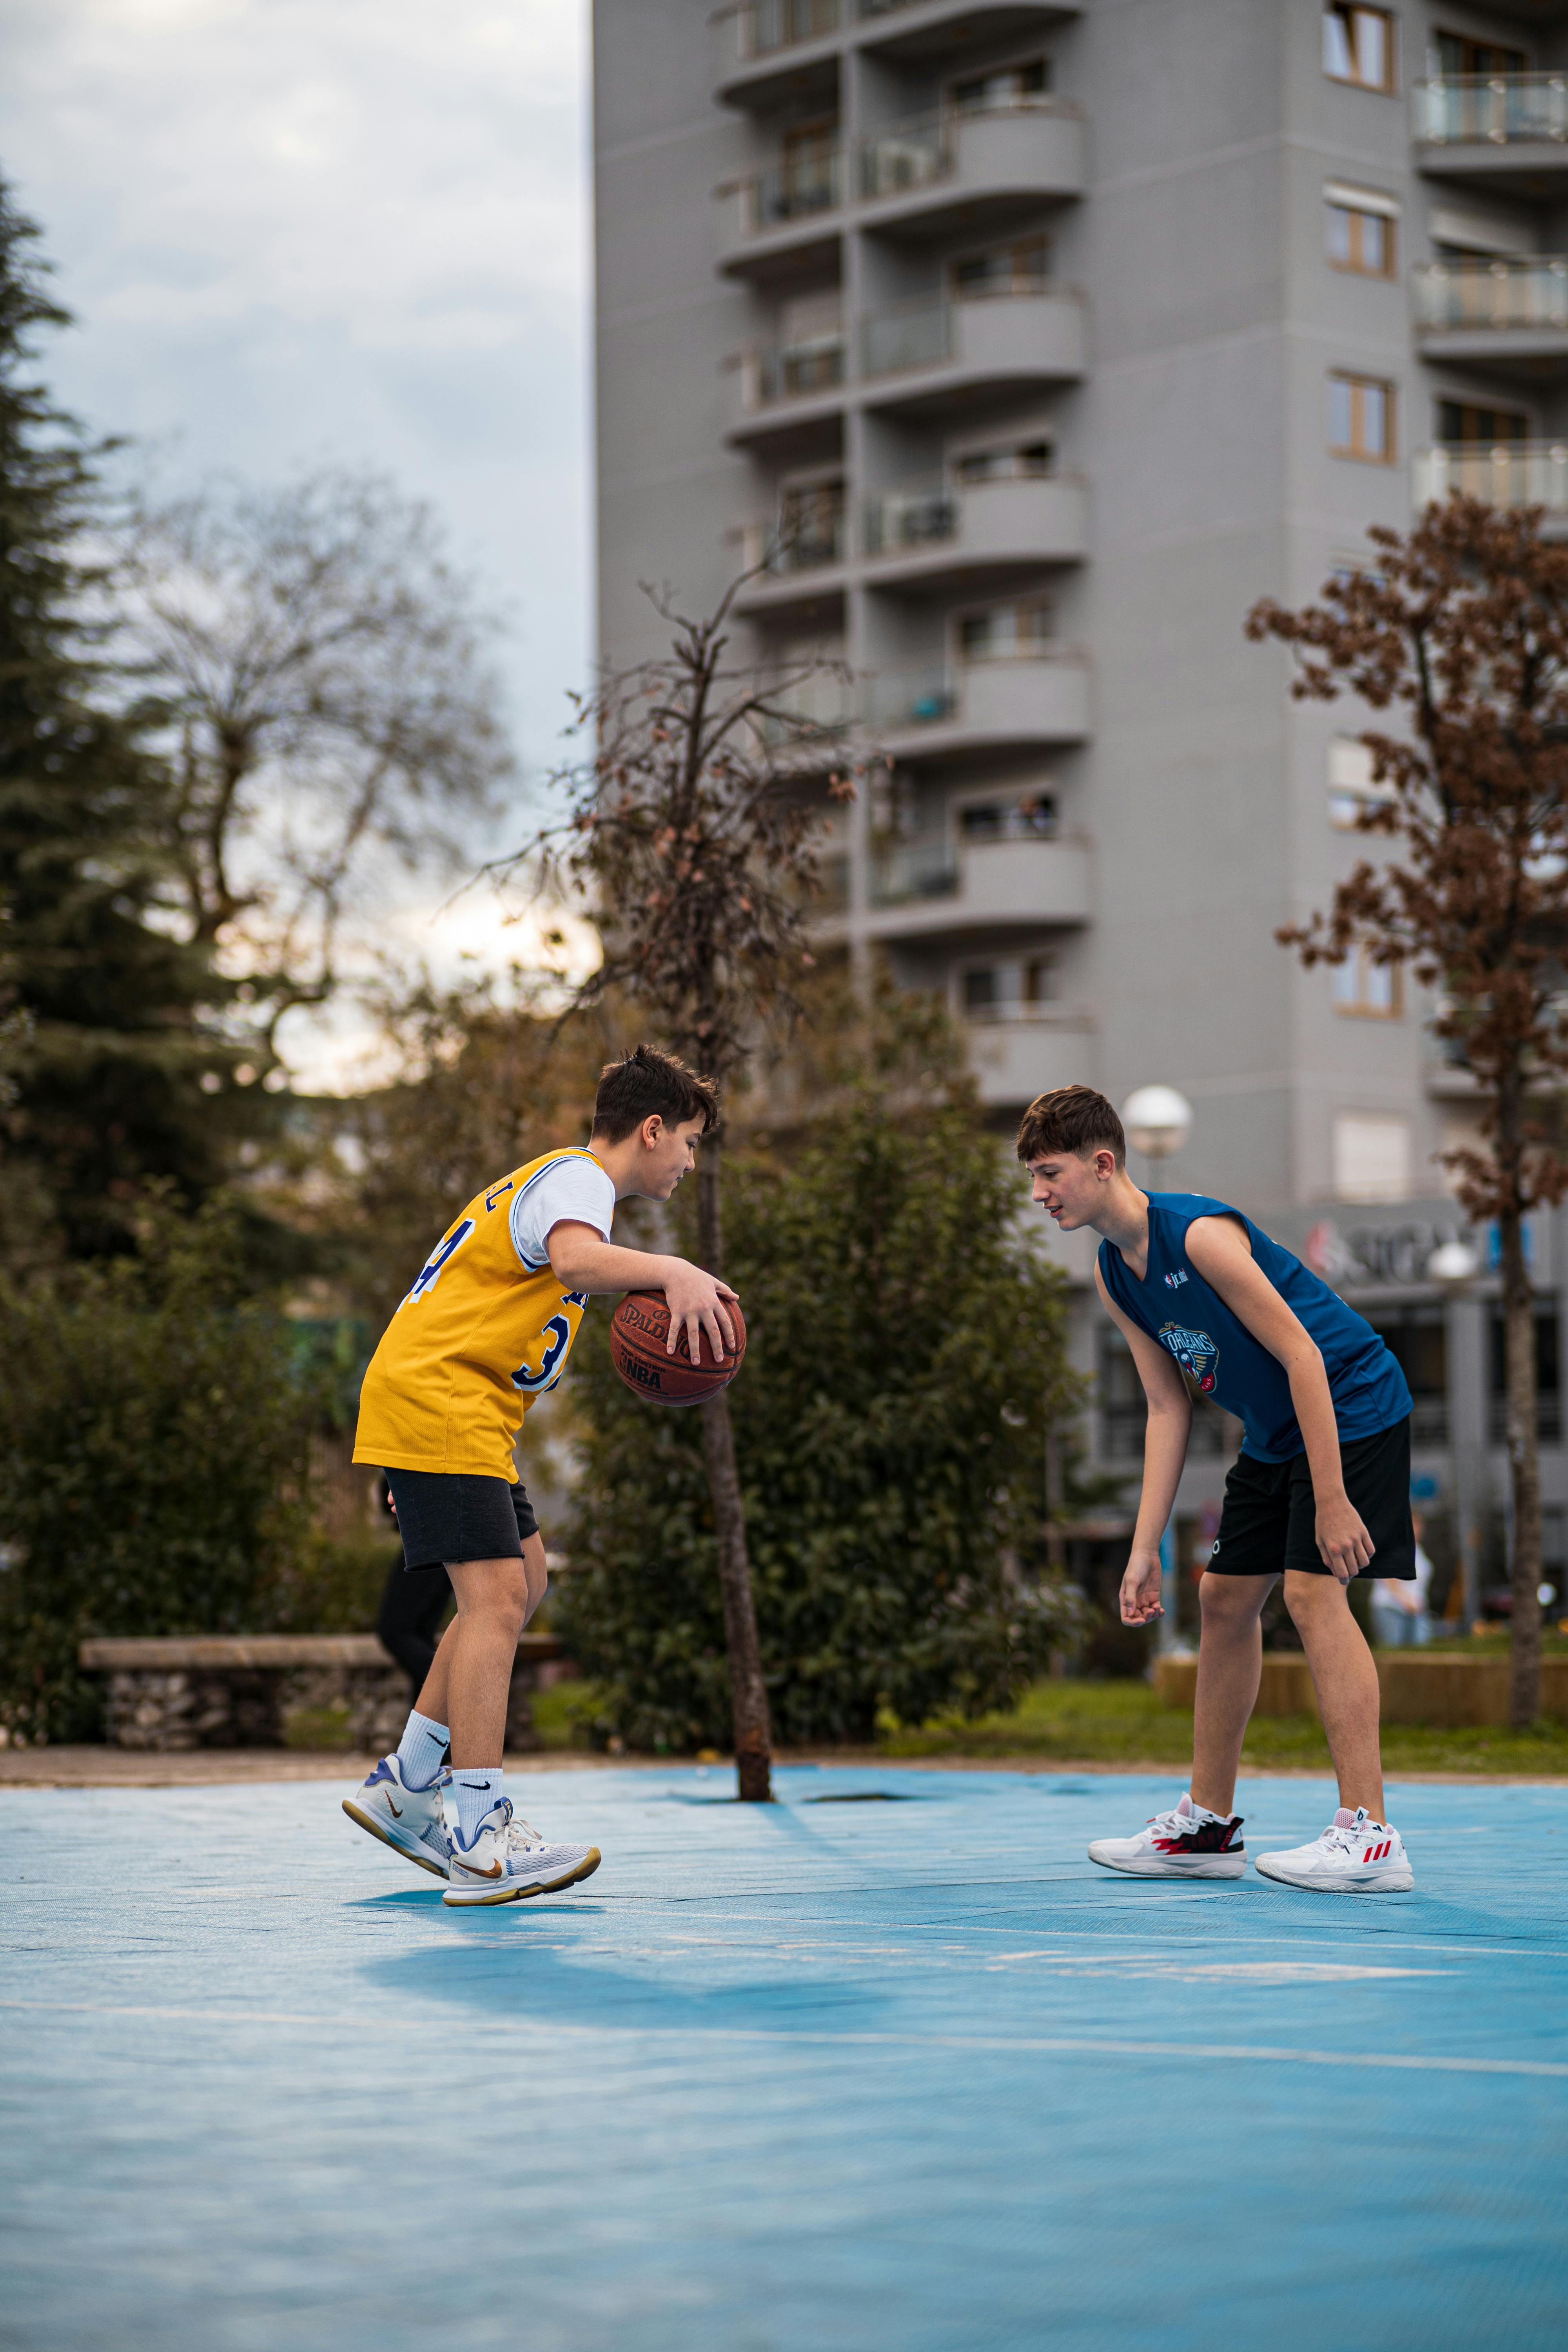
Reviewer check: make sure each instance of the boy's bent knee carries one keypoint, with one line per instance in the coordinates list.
(1232, 1599)
(497, 1589)
(1312, 1596)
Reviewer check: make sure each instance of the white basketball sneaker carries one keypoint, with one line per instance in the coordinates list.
(410, 1821)
(1355, 1856)
(508, 1860)
(1189, 1842)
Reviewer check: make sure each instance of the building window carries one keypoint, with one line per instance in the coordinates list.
(1006, 632)
(1361, 231)
(1361, 418)
(1371, 1156)
(1352, 791)
(1022, 461)
(1006, 991)
(811, 525)
(1021, 268)
(1008, 86)
(1365, 988)
(1485, 428)
(1458, 55)
(1358, 45)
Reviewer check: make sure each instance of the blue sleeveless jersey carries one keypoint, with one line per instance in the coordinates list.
(1175, 1306)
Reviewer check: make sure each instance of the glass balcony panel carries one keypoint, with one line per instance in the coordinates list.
(791, 192)
(1501, 294)
(823, 707)
(768, 25)
(912, 698)
(911, 335)
(794, 370)
(1508, 474)
(914, 155)
(917, 514)
(924, 868)
(1493, 109)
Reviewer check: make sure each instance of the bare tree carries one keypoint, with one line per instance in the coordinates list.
(692, 832)
(319, 669)
(1461, 626)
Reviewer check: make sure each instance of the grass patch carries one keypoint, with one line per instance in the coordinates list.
(562, 1714)
(1124, 1723)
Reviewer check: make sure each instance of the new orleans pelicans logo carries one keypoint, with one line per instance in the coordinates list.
(1194, 1351)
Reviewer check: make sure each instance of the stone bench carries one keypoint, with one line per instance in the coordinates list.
(1445, 1692)
(273, 1690)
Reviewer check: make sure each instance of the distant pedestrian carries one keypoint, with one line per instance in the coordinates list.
(1400, 1614)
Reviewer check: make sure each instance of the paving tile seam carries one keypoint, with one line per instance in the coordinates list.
(1435, 2063)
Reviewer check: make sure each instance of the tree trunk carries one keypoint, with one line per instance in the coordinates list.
(748, 1692)
(1525, 1471)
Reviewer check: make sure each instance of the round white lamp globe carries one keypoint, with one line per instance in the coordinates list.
(1453, 1266)
(1158, 1120)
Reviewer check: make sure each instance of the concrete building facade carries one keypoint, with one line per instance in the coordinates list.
(1028, 345)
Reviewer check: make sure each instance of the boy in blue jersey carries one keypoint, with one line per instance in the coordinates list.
(1206, 1302)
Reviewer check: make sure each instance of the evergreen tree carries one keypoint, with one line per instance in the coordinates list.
(111, 1075)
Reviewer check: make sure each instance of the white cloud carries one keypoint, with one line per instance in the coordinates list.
(297, 229)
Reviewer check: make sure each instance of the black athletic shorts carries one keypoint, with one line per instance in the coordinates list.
(453, 1515)
(1269, 1517)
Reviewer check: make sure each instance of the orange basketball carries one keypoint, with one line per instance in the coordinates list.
(639, 1332)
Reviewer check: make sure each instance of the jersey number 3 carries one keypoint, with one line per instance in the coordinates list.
(557, 1337)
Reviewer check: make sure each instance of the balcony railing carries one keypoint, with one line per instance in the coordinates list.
(765, 25)
(923, 151)
(775, 372)
(805, 545)
(908, 335)
(922, 513)
(1490, 109)
(791, 192)
(1511, 474)
(912, 698)
(925, 696)
(821, 705)
(1494, 295)
(924, 868)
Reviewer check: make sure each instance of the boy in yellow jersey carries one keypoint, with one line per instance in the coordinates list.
(487, 1328)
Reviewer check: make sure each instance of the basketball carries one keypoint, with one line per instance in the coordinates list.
(639, 1331)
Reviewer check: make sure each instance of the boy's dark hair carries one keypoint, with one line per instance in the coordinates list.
(646, 1083)
(1071, 1118)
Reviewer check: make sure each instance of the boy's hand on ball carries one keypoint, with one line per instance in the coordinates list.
(1141, 1590)
(696, 1300)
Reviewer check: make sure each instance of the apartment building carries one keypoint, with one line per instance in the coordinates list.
(1024, 346)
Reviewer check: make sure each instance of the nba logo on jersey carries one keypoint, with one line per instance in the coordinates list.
(1174, 1281)
(1194, 1351)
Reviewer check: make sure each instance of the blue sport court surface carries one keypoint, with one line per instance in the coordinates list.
(902, 2072)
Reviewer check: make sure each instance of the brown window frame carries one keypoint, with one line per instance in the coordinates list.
(1358, 1007)
(1356, 264)
(1356, 446)
(1348, 12)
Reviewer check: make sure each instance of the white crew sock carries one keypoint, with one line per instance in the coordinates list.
(477, 1787)
(420, 1751)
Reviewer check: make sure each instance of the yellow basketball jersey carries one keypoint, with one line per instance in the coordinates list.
(477, 1339)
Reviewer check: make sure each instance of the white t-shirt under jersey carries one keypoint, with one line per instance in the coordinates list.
(576, 1190)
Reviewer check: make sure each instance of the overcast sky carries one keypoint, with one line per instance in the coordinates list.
(346, 229)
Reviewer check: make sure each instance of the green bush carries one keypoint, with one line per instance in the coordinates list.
(154, 1461)
(905, 1351)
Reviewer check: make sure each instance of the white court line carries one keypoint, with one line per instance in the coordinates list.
(1055, 2044)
